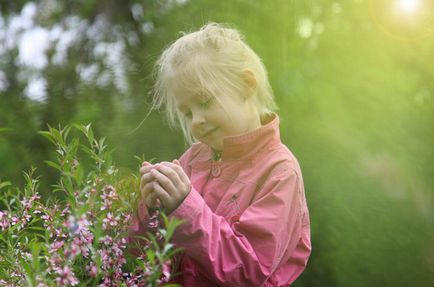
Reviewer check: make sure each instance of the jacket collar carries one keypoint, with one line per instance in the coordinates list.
(249, 144)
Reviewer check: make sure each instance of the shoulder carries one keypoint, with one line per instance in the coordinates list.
(279, 158)
(278, 162)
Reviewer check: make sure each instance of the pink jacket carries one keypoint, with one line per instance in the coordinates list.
(246, 218)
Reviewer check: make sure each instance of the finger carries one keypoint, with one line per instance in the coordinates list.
(145, 163)
(146, 190)
(145, 178)
(163, 180)
(161, 194)
(168, 171)
(179, 170)
(145, 169)
(151, 200)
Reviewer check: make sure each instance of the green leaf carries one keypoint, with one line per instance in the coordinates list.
(53, 164)
(28, 272)
(4, 184)
(5, 129)
(48, 136)
(150, 255)
(35, 249)
(36, 228)
(167, 247)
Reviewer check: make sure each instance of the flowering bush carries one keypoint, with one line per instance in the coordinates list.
(78, 237)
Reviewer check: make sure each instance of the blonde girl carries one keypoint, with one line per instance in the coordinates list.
(238, 188)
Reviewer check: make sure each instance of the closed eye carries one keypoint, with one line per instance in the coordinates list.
(185, 111)
(188, 115)
(207, 103)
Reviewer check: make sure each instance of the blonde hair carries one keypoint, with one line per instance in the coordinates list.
(212, 60)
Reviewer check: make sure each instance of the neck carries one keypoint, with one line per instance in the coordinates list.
(216, 155)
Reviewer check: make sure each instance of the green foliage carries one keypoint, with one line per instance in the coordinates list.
(79, 239)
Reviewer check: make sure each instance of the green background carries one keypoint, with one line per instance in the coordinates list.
(353, 80)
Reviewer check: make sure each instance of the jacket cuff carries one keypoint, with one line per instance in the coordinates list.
(190, 207)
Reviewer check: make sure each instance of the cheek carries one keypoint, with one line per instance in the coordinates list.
(194, 133)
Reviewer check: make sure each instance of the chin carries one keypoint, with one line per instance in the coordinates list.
(214, 147)
(217, 148)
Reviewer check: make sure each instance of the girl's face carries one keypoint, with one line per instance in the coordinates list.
(212, 120)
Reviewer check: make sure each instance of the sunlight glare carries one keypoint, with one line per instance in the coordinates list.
(408, 6)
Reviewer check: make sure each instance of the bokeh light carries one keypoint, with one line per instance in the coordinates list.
(408, 6)
(403, 19)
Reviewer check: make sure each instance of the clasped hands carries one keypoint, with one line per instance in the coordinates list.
(164, 182)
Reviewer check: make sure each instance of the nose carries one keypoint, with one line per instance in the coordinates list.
(197, 120)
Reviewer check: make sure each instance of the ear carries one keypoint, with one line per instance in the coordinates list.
(249, 79)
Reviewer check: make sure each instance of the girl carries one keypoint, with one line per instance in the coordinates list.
(238, 189)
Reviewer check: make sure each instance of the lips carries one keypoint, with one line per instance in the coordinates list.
(208, 132)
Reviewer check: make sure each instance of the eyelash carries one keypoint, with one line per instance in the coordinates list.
(204, 105)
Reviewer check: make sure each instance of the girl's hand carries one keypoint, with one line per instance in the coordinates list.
(146, 186)
(172, 185)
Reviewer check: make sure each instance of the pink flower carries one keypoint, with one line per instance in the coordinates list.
(80, 244)
(167, 266)
(76, 227)
(106, 283)
(40, 282)
(14, 220)
(35, 197)
(46, 217)
(73, 251)
(127, 218)
(92, 270)
(110, 220)
(55, 246)
(132, 280)
(72, 224)
(109, 194)
(83, 222)
(112, 254)
(154, 221)
(107, 240)
(56, 232)
(66, 277)
(87, 237)
(26, 218)
(66, 210)
(27, 203)
(4, 222)
(37, 211)
(54, 262)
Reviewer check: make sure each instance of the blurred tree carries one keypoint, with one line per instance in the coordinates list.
(356, 105)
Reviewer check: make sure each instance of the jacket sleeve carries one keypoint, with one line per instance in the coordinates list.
(246, 250)
(138, 227)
